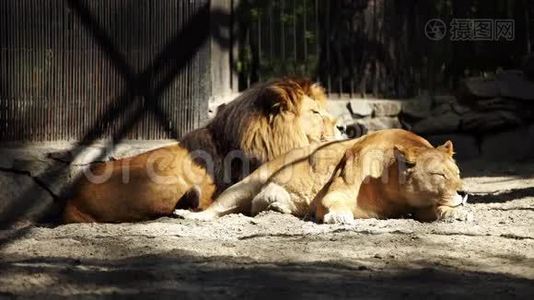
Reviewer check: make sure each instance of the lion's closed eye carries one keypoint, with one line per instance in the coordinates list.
(438, 174)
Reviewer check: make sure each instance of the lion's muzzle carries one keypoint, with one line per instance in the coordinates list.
(459, 199)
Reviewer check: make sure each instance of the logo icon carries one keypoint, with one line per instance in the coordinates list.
(435, 29)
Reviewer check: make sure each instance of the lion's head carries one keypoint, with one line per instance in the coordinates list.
(431, 176)
(272, 118)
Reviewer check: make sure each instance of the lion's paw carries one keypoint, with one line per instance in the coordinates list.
(460, 213)
(281, 207)
(190, 215)
(344, 217)
(272, 197)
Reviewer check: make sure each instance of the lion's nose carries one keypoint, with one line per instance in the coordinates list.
(342, 128)
(463, 195)
(341, 132)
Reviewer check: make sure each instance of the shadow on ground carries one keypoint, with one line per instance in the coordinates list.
(188, 277)
(503, 196)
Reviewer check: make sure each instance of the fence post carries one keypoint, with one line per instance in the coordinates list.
(221, 47)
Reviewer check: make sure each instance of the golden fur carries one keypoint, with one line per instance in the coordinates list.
(261, 124)
(386, 174)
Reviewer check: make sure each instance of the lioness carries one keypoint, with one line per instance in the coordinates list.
(264, 122)
(385, 174)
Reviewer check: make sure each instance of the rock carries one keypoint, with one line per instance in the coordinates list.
(22, 199)
(373, 124)
(441, 109)
(489, 121)
(509, 84)
(465, 146)
(459, 108)
(449, 99)
(479, 87)
(517, 144)
(446, 122)
(418, 108)
(360, 108)
(340, 110)
(386, 108)
(498, 103)
(377, 108)
(513, 84)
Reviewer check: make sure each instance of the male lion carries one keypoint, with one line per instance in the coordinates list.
(385, 174)
(264, 122)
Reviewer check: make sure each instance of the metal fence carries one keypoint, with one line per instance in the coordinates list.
(373, 47)
(79, 70)
(276, 37)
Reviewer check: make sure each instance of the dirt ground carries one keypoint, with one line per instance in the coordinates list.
(274, 254)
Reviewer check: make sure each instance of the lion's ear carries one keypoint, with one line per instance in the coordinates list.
(447, 148)
(274, 99)
(318, 92)
(405, 155)
(275, 107)
(317, 86)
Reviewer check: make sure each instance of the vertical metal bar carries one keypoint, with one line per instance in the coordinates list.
(271, 41)
(147, 49)
(60, 69)
(118, 23)
(188, 66)
(189, 78)
(46, 46)
(259, 46)
(35, 83)
(327, 42)
(67, 90)
(28, 104)
(294, 22)
(305, 36)
(3, 95)
(247, 43)
(23, 69)
(353, 65)
(46, 71)
(527, 27)
(317, 37)
(20, 81)
(18, 70)
(6, 68)
(170, 92)
(180, 92)
(12, 69)
(74, 110)
(375, 40)
(104, 75)
(283, 30)
(54, 36)
(65, 98)
(340, 81)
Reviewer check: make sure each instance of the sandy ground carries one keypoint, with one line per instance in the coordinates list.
(274, 254)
